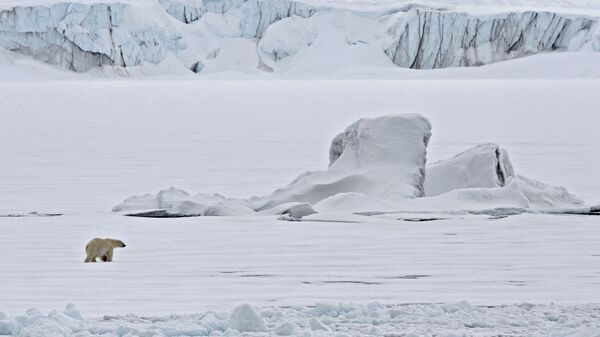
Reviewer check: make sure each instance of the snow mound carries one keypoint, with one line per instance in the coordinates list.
(293, 210)
(379, 158)
(520, 195)
(245, 318)
(179, 202)
(485, 165)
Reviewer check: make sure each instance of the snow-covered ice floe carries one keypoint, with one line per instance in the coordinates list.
(379, 165)
(323, 319)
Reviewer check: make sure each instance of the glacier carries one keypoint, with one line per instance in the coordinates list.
(422, 40)
(207, 36)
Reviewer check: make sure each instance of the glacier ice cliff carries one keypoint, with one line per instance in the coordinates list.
(82, 36)
(255, 16)
(433, 39)
(276, 35)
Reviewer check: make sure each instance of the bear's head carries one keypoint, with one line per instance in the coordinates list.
(117, 243)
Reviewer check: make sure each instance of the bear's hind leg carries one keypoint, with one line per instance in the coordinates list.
(104, 258)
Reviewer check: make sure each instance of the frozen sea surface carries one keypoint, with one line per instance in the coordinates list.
(79, 148)
(188, 265)
(84, 146)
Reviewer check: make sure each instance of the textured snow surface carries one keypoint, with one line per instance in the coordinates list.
(190, 265)
(284, 36)
(343, 319)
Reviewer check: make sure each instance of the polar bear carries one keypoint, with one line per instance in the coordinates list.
(102, 248)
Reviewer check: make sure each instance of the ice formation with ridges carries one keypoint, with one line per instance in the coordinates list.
(83, 35)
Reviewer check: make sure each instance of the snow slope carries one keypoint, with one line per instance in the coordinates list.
(286, 35)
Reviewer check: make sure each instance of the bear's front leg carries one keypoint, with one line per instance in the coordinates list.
(104, 258)
(109, 255)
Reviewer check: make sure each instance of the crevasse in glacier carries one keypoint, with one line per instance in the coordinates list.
(432, 39)
(263, 34)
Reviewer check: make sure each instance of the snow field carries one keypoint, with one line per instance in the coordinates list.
(189, 265)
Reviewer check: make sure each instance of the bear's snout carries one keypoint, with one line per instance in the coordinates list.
(124, 245)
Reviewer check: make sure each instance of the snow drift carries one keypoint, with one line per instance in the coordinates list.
(379, 164)
(280, 35)
(179, 202)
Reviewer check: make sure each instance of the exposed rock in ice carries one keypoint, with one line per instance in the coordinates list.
(424, 39)
(485, 165)
(181, 203)
(382, 158)
(245, 318)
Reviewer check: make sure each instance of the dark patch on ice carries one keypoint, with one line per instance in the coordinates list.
(450, 234)
(231, 271)
(336, 221)
(498, 217)
(197, 67)
(518, 283)
(500, 211)
(257, 275)
(20, 215)
(351, 282)
(371, 213)
(422, 219)
(594, 210)
(159, 214)
(409, 277)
